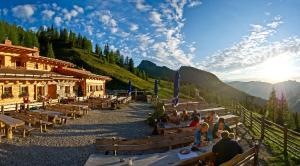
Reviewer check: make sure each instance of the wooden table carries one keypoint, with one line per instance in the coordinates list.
(9, 124)
(158, 159)
(84, 108)
(52, 114)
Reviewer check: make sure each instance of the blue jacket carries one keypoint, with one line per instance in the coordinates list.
(198, 134)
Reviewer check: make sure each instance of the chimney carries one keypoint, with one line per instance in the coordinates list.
(7, 42)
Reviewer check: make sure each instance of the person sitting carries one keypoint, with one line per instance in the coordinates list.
(232, 136)
(219, 127)
(195, 121)
(185, 115)
(174, 118)
(226, 149)
(195, 113)
(201, 135)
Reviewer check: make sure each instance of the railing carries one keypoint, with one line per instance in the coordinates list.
(288, 141)
(16, 106)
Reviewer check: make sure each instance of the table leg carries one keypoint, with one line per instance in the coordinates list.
(8, 131)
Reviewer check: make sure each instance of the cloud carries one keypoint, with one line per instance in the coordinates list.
(78, 9)
(134, 27)
(194, 3)
(69, 14)
(89, 29)
(24, 12)
(47, 14)
(155, 17)
(58, 21)
(253, 49)
(3, 11)
(141, 6)
(106, 18)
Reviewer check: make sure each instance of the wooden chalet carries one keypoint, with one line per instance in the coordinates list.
(24, 73)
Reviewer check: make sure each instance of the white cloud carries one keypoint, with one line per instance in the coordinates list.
(47, 14)
(78, 9)
(140, 5)
(89, 29)
(3, 11)
(134, 27)
(253, 49)
(24, 12)
(106, 18)
(155, 17)
(58, 21)
(193, 3)
(100, 34)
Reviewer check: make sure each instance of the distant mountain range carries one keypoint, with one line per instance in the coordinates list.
(291, 90)
(209, 85)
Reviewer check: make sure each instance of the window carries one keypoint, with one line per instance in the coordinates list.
(101, 87)
(23, 91)
(67, 90)
(91, 88)
(7, 93)
(45, 66)
(36, 66)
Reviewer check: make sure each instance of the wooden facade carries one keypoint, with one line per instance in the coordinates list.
(25, 74)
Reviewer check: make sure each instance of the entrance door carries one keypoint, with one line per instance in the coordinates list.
(52, 91)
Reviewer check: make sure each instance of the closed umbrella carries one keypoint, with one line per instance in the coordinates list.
(129, 88)
(156, 88)
(176, 88)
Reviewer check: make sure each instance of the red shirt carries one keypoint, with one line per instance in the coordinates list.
(194, 123)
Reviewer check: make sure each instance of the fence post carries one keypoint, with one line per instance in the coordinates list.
(285, 141)
(244, 118)
(251, 120)
(17, 107)
(2, 109)
(256, 146)
(262, 132)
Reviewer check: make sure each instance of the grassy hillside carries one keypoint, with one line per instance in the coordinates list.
(120, 75)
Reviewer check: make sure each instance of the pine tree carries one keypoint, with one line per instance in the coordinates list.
(131, 65)
(272, 105)
(280, 113)
(50, 52)
(97, 49)
(106, 50)
(296, 121)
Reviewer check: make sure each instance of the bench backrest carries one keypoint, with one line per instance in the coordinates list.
(144, 144)
(241, 159)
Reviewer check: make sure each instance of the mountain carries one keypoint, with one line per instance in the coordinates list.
(155, 71)
(290, 89)
(207, 84)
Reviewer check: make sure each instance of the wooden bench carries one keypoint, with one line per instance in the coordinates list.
(144, 144)
(26, 130)
(250, 156)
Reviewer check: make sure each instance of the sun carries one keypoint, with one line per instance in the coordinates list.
(277, 69)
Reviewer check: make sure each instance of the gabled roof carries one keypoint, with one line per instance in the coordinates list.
(81, 73)
(17, 49)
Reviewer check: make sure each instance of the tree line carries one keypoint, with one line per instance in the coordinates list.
(277, 111)
(49, 38)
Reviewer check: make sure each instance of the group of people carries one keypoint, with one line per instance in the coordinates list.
(225, 148)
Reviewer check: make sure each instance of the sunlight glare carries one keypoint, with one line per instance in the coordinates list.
(277, 69)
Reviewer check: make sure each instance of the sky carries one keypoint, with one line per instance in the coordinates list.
(238, 40)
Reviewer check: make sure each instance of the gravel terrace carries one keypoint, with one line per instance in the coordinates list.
(73, 143)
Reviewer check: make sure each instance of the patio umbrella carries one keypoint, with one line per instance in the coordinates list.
(176, 88)
(156, 88)
(129, 88)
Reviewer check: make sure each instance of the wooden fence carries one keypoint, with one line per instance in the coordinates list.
(285, 139)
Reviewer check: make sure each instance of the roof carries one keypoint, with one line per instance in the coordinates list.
(50, 60)
(81, 73)
(22, 73)
(17, 49)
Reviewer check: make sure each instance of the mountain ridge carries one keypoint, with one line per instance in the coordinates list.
(290, 89)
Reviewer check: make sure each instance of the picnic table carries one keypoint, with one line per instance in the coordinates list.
(10, 123)
(84, 108)
(170, 157)
(55, 116)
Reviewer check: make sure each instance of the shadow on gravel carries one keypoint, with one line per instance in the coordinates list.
(44, 155)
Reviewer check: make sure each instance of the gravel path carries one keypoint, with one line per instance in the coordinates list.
(72, 144)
